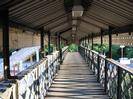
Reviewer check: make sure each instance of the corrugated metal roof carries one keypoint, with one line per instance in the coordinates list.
(52, 15)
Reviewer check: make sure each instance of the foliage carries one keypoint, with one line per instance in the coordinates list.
(73, 48)
(46, 48)
(100, 49)
(116, 53)
(104, 49)
(116, 50)
(129, 52)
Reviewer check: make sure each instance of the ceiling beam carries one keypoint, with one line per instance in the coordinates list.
(124, 29)
(65, 30)
(52, 20)
(100, 19)
(19, 25)
(106, 5)
(9, 4)
(89, 27)
(94, 22)
(60, 28)
(59, 24)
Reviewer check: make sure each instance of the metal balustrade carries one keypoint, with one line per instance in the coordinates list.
(33, 82)
(116, 79)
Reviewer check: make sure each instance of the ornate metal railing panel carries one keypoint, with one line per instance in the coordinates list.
(127, 85)
(8, 89)
(34, 82)
(95, 62)
(111, 81)
(116, 79)
(119, 80)
(102, 69)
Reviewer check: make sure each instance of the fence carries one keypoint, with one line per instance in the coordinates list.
(33, 82)
(116, 79)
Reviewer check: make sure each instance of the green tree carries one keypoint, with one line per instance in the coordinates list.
(73, 48)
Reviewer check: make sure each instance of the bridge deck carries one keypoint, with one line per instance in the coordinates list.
(75, 81)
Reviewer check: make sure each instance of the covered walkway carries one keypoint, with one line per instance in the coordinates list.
(54, 25)
(75, 81)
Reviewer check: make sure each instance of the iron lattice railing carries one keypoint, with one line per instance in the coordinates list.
(116, 79)
(33, 82)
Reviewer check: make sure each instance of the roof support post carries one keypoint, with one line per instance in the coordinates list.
(5, 29)
(59, 47)
(56, 41)
(49, 41)
(65, 42)
(61, 41)
(92, 41)
(42, 42)
(101, 37)
(88, 41)
(110, 42)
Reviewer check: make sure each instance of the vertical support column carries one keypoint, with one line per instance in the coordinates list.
(101, 37)
(49, 49)
(85, 42)
(5, 29)
(56, 41)
(85, 48)
(42, 42)
(92, 40)
(60, 49)
(98, 69)
(110, 42)
(61, 42)
(109, 56)
(88, 49)
(106, 70)
(88, 41)
(119, 72)
(79, 44)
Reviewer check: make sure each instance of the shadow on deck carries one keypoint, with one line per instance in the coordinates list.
(75, 81)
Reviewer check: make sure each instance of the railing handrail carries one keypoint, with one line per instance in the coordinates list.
(64, 49)
(24, 72)
(115, 78)
(128, 69)
(42, 72)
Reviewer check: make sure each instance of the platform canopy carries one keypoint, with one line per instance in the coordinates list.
(56, 15)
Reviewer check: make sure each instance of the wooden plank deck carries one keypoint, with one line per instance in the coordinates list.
(75, 81)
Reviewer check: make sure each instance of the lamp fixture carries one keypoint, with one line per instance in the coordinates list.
(77, 11)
